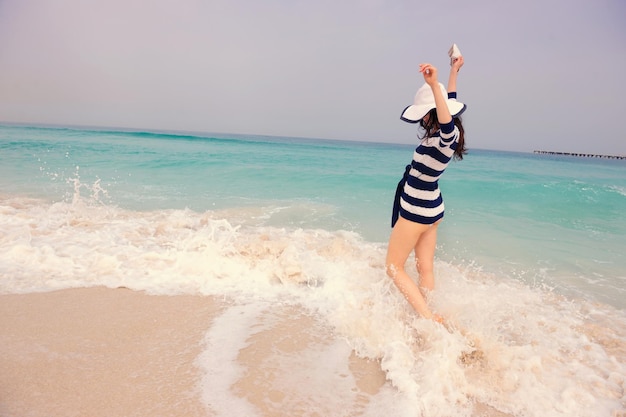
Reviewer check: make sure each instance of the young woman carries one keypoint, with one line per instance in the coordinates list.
(419, 206)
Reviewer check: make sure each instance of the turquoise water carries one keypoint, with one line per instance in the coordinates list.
(529, 262)
(557, 221)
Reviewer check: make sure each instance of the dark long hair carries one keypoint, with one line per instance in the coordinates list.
(432, 126)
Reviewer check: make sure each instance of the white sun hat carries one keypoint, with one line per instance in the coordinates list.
(425, 101)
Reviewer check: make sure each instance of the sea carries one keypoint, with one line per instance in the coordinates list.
(530, 267)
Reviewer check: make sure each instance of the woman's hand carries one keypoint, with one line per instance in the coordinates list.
(430, 74)
(457, 64)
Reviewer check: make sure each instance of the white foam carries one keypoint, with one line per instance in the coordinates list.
(227, 336)
(618, 189)
(314, 378)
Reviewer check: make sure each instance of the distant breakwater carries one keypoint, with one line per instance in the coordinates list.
(584, 155)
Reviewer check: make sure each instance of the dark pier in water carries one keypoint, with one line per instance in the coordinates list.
(584, 155)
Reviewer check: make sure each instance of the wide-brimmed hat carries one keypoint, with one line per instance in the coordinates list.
(425, 101)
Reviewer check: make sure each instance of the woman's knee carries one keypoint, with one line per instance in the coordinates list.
(392, 269)
(424, 266)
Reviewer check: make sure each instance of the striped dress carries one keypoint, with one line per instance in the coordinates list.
(421, 200)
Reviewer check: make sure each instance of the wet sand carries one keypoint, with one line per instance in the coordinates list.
(117, 352)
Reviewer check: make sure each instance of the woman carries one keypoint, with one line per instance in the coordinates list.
(419, 207)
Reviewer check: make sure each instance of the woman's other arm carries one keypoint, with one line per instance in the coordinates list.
(454, 70)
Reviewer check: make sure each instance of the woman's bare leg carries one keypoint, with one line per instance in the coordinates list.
(404, 239)
(425, 258)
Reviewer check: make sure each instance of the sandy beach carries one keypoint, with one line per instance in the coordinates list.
(101, 352)
(117, 352)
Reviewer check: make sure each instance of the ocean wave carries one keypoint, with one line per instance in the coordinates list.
(618, 189)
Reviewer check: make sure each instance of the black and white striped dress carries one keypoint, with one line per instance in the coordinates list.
(421, 199)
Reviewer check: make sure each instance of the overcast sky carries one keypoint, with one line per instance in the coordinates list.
(543, 74)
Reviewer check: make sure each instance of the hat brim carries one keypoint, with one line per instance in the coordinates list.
(415, 113)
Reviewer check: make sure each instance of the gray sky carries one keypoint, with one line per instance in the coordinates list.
(543, 74)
